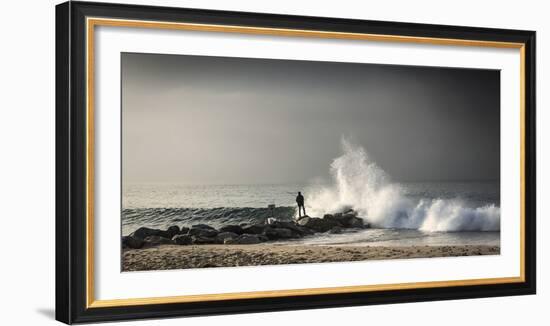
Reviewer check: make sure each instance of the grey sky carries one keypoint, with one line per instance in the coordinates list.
(213, 120)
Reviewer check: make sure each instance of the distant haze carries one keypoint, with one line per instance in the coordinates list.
(214, 120)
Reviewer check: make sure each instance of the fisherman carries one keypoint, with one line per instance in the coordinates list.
(300, 202)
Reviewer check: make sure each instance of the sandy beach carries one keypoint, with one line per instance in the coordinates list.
(200, 256)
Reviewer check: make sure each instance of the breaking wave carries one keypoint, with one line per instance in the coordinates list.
(360, 184)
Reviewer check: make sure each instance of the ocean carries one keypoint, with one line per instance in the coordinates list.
(464, 203)
(399, 213)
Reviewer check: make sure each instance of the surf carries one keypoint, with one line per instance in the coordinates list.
(358, 183)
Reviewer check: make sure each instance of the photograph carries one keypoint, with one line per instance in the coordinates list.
(231, 161)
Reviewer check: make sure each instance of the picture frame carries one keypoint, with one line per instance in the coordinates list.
(76, 237)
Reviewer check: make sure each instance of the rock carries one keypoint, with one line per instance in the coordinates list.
(182, 239)
(202, 226)
(350, 211)
(131, 242)
(173, 230)
(203, 240)
(184, 230)
(244, 239)
(335, 230)
(255, 229)
(232, 228)
(222, 236)
(344, 220)
(317, 224)
(296, 229)
(356, 222)
(305, 231)
(262, 237)
(202, 232)
(279, 233)
(155, 240)
(299, 218)
(333, 219)
(144, 232)
(302, 221)
(347, 220)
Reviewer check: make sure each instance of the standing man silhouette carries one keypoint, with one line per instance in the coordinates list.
(300, 202)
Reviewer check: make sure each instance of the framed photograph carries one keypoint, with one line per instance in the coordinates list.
(213, 162)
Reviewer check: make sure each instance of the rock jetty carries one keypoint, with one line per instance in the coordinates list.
(200, 234)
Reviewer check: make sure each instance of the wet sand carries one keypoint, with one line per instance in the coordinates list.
(200, 256)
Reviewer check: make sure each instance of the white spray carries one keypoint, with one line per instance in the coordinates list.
(362, 185)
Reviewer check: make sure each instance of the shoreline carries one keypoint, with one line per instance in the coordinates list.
(169, 256)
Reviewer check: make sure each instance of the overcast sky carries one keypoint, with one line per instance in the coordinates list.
(213, 120)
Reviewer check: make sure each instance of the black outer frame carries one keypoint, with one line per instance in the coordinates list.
(71, 162)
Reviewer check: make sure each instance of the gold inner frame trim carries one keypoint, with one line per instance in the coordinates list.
(92, 22)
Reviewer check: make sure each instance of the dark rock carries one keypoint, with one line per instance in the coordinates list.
(255, 229)
(232, 228)
(335, 230)
(131, 242)
(344, 220)
(202, 226)
(356, 222)
(203, 240)
(305, 231)
(182, 239)
(317, 224)
(347, 218)
(262, 237)
(333, 219)
(296, 229)
(184, 230)
(155, 240)
(244, 239)
(165, 234)
(222, 236)
(202, 232)
(173, 230)
(350, 211)
(144, 232)
(279, 233)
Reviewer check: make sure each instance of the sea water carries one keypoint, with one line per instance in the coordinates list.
(162, 205)
(400, 213)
